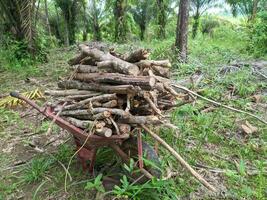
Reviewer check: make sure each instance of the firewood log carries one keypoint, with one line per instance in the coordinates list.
(119, 65)
(150, 63)
(110, 104)
(77, 59)
(118, 89)
(81, 123)
(68, 92)
(106, 132)
(136, 56)
(88, 61)
(161, 71)
(145, 82)
(150, 119)
(101, 116)
(124, 128)
(104, 97)
(85, 68)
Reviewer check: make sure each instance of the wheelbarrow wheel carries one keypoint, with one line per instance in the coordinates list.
(149, 154)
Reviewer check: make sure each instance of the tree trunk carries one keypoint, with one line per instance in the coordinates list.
(142, 31)
(47, 19)
(196, 23)
(96, 26)
(36, 13)
(182, 29)
(66, 40)
(255, 9)
(120, 21)
(84, 22)
(161, 18)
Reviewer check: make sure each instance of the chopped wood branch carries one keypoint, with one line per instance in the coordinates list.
(104, 97)
(85, 68)
(119, 65)
(136, 56)
(219, 104)
(68, 92)
(150, 63)
(115, 78)
(118, 89)
(179, 158)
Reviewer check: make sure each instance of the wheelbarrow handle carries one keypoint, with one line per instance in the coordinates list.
(15, 94)
(28, 101)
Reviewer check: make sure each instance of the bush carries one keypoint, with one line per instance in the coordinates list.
(258, 35)
(15, 54)
(208, 24)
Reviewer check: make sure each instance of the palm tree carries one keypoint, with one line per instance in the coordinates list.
(142, 13)
(69, 9)
(199, 7)
(19, 16)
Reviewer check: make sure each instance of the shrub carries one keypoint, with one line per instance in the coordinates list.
(258, 35)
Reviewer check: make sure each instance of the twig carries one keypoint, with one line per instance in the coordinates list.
(219, 104)
(179, 158)
(54, 120)
(152, 105)
(115, 125)
(87, 138)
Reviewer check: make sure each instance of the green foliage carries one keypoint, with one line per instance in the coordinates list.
(208, 24)
(258, 35)
(154, 190)
(96, 184)
(37, 169)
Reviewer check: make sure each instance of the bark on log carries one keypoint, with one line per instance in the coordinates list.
(101, 116)
(63, 93)
(121, 66)
(113, 111)
(150, 63)
(161, 71)
(104, 97)
(85, 68)
(118, 89)
(75, 113)
(136, 56)
(110, 104)
(80, 123)
(150, 119)
(77, 59)
(80, 97)
(88, 61)
(145, 82)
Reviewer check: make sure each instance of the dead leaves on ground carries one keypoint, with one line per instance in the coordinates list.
(248, 128)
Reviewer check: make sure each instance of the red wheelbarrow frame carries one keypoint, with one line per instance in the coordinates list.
(93, 142)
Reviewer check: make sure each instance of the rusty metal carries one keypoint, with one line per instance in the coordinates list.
(87, 151)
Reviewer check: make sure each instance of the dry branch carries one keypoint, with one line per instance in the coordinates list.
(118, 89)
(115, 78)
(119, 65)
(104, 97)
(179, 158)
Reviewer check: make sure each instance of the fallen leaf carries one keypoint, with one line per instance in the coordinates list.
(248, 128)
(256, 98)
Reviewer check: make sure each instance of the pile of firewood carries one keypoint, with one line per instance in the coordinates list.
(115, 92)
(112, 94)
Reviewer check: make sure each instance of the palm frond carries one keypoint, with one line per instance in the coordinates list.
(27, 17)
(9, 101)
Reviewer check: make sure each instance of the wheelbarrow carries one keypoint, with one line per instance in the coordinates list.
(126, 146)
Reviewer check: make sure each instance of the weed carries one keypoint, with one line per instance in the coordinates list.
(37, 169)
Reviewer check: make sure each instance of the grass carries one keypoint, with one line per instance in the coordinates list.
(212, 139)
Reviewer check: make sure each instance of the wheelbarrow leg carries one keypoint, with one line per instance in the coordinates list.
(92, 160)
(85, 155)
